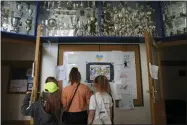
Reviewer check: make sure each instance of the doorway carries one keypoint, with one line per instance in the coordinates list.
(174, 75)
(156, 85)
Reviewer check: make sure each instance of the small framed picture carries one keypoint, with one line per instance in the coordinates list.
(95, 69)
(29, 86)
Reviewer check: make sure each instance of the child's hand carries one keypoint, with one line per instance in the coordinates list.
(28, 92)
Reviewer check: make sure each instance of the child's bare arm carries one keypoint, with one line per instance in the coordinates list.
(91, 116)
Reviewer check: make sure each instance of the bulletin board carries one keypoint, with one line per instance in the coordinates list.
(79, 54)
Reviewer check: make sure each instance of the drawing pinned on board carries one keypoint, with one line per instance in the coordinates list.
(99, 57)
(127, 61)
(123, 75)
(124, 87)
(126, 102)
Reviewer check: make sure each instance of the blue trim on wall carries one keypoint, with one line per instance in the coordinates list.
(100, 39)
(36, 18)
(18, 36)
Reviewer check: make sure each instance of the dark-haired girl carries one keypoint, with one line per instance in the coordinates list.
(75, 99)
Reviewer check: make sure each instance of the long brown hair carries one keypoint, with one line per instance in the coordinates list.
(51, 101)
(103, 83)
(74, 76)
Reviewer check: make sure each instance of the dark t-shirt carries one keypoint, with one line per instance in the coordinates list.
(40, 116)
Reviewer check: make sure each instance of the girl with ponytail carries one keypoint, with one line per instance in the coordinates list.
(75, 99)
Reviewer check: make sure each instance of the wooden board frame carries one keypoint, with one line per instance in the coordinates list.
(132, 47)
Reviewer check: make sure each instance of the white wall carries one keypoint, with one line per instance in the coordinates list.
(11, 103)
(49, 61)
(140, 115)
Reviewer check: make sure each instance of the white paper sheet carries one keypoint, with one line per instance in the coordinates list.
(153, 71)
(33, 65)
(126, 102)
(117, 57)
(128, 77)
(116, 95)
(60, 73)
(129, 60)
(73, 58)
(18, 86)
(117, 72)
(124, 88)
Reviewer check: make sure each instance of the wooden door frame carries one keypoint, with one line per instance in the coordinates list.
(158, 47)
(151, 81)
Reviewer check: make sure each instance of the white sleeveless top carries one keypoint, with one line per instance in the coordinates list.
(102, 107)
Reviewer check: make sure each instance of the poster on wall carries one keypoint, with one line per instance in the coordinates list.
(95, 69)
(18, 86)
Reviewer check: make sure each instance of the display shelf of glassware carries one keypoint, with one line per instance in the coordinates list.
(18, 17)
(122, 18)
(174, 17)
(69, 18)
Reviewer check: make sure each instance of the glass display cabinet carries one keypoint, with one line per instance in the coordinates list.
(69, 18)
(122, 18)
(175, 17)
(18, 17)
(94, 18)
